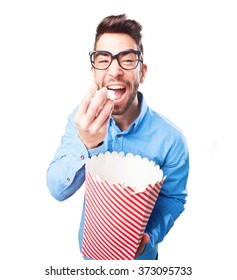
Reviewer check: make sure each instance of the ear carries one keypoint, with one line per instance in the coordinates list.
(143, 73)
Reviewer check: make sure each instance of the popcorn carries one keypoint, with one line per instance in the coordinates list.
(110, 94)
(119, 203)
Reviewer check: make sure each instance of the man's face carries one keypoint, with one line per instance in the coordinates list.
(124, 83)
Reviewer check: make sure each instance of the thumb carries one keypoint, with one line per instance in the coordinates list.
(145, 238)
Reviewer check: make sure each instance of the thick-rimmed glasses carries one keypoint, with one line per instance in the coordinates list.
(127, 60)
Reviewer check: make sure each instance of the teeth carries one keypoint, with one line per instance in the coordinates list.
(116, 87)
(110, 94)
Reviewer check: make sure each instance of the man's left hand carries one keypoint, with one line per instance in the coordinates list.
(144, 241)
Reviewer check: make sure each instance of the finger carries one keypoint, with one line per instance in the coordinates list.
(104, 115)
(96, 105)
(145, 239)
(85, 103)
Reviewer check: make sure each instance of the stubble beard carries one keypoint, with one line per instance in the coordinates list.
(118, 111)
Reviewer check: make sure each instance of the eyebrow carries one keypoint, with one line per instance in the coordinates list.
(124, 51)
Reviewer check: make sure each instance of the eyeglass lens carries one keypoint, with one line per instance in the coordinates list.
(127, 60)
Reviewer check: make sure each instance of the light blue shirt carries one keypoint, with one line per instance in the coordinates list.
(150, 135)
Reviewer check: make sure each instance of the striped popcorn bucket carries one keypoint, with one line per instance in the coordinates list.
(120, 194)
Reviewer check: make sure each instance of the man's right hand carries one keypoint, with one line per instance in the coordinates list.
(93, 116)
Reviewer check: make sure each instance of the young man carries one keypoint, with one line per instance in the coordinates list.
(125, 124)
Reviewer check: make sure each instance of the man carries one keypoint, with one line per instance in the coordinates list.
(125, 124)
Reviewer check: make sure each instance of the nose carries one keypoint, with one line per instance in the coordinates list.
(115, 69)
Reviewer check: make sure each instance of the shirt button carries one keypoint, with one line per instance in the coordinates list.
(82, 157)
(68, 179)
(119, 135)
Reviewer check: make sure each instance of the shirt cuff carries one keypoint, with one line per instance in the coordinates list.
(95, 151)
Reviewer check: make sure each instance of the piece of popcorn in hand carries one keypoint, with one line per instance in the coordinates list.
(110, 94)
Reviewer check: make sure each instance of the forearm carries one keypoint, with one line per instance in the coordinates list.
(66, 172)
(164, 214)
(169, 205)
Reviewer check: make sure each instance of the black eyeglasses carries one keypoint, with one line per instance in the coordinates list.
(127, 60)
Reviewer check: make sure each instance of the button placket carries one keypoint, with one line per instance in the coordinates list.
(118, 142)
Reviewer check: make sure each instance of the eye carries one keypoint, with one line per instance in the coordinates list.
(129, 58)
(102, 58)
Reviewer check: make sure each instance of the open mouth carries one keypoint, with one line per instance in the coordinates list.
(118, 91)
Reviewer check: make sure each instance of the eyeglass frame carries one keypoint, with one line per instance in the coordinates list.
(116, 56)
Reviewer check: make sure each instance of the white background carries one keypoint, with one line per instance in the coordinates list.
(190, 50)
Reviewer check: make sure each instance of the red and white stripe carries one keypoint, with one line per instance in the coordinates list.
(115, 219)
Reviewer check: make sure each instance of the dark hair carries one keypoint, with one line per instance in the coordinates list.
(120, 24)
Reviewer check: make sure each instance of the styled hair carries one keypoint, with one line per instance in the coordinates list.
(120, 24)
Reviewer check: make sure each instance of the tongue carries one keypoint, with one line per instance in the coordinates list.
(118, 93)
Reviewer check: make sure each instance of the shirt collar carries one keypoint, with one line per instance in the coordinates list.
(143, 109)
(135, 124)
